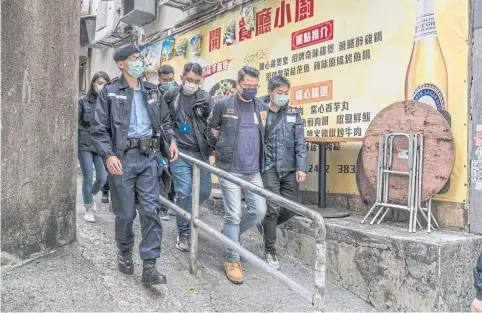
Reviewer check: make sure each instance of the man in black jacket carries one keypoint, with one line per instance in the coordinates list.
(167, 80)
(166, 77)
(285, 159)
(128, 119)
(190, 107)
(239, 150)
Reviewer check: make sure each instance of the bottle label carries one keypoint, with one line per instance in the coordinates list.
(429, 94)
(425, 27)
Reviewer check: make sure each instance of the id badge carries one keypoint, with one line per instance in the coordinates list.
(185, 129)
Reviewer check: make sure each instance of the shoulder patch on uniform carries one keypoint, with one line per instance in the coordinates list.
(113, 80)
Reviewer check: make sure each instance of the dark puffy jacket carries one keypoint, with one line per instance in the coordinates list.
(112, 115)
(290, 144)
(202, 107)
(225, 117)
(86, 107)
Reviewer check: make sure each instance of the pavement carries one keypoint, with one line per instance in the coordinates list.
(84, 277)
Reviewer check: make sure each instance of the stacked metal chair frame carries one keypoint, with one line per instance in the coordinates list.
(414, 175)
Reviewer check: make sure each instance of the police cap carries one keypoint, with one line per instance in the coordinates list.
(124, 52)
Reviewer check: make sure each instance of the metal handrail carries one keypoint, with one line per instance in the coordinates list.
(317, 297)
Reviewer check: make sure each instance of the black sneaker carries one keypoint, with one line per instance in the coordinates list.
(182, 243)
(150, 275)
(124, 262)
(105, 197)
(163, 215)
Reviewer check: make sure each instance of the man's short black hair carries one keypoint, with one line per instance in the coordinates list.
(278, 81)
(247, 71)
(165, 70)
(192, 67)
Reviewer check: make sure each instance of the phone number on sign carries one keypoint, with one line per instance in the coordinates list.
(341, 169)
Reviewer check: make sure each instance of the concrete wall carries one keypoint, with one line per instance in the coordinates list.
(39, 41)
(390, 268)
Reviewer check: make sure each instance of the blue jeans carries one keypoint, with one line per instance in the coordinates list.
(235, 223)
(87, 162)
(181, 172)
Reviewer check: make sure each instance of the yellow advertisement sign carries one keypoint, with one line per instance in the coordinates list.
(346, 60)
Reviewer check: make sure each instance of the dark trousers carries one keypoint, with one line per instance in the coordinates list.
(286, 186)
(140, 177)
(105, 189)
(163, 193)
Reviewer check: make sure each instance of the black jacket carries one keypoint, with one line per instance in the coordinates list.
(290, 144)
(225, 117)
(85, 109)
(202, 107)
(112, 115)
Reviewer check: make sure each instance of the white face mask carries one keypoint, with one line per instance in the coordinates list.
(281, 100)
(190, 88)
(98, 87)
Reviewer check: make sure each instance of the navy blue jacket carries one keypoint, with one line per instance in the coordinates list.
(85, 108)
(112, 116)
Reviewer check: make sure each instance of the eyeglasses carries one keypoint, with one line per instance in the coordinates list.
(139, 57)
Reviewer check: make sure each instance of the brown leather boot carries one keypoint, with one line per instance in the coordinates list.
(234, 272)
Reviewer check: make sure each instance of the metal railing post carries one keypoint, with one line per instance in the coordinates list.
(196, 185)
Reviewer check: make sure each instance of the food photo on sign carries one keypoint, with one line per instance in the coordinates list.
(224, 88)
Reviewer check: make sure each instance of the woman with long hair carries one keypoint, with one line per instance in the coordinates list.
(88, 157)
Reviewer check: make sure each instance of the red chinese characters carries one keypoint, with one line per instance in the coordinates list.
(283, 14)
(212, 69)
(304, 9)
(244, 33)
(320, 91)
(263, 21)
(215, 39)
(312, 35)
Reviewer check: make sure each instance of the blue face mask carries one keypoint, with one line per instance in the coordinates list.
(136, 68)
(280, 100)
(168, 85)
(249, 93)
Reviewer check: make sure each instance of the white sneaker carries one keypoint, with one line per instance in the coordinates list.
(89, 217)
(94, 207)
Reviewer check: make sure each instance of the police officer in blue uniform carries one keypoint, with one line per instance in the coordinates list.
(128, 124)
